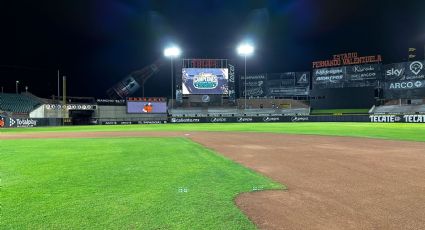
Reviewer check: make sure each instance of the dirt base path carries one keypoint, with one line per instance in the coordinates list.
(333, 182)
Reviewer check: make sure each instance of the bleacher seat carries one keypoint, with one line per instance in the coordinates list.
(18, 103)
(398, 109)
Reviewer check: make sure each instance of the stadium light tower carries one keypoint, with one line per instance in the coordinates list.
(17, 87)
(172, 52)
(245, 50)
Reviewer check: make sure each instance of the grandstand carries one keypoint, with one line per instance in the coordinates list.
(398, 109)
(255, 107)
(19, 103)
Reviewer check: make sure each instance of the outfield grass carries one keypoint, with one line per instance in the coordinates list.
(394, 131)
(121, 183)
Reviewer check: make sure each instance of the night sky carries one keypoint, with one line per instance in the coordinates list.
(96, 43)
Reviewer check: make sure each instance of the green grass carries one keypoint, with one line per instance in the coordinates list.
(121, 183)
(394, 131)
(338, 111)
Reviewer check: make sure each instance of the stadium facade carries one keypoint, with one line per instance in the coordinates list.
(208, 90)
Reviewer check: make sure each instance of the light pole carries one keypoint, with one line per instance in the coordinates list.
(245, 50)
(17, 86)
(172, 52)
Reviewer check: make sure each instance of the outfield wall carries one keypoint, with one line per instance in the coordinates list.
(342, 118)
(8, 122)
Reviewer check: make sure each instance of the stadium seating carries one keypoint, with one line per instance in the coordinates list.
(19, 103)
(265, 103)
(398, 109)
(216, 112)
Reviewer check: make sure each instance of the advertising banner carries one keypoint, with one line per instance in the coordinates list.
(405, 71)
(232, 91)
(329, 77)
(10, 122)
(205, 81)
(288, 84)
(255, 85)
(132, 122)
(302, 78)
(397, 118)
(414, 89)
(363, 75)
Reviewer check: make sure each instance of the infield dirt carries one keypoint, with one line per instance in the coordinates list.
(333, 182)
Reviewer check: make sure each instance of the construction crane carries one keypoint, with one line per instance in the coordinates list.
(134, 81)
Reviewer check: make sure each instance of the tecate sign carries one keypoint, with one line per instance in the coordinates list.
(414, 118)
(395, 118)
(384, 118)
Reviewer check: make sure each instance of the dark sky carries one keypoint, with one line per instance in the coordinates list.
(96, 43)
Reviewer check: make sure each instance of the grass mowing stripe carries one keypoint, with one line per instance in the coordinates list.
(148, 183)
(394, 131)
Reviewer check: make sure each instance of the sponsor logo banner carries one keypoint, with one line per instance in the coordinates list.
(370, 72)
(132, 122)
(302, 78)
(185, 120)
(405, 71)
(255, 85)
(271, 119)
(405, 85)
(299, 119)
(244, 119)
(347, 76)
(26, 123)
(329, 75)
(397, 118)
(218, 120)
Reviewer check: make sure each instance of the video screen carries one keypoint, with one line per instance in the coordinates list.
(205, 81)
(146, 107)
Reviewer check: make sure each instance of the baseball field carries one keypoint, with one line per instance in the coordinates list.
(214, 176)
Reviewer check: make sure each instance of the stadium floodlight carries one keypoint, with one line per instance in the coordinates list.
(172, 52)
(245, 50)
